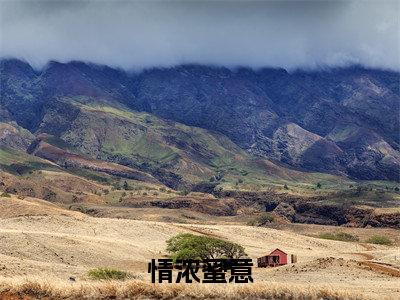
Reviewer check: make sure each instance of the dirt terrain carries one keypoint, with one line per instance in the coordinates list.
(38, 238)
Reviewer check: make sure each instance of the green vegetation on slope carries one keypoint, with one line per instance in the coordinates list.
(380, 240)
(19, 163)
(339, 236)
(179, 154)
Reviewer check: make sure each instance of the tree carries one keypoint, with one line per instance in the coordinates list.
(319, 185)
(190, 246)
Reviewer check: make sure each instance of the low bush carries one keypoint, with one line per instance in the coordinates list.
(380, 240)
(262, 219)
(184, 192)
(5, 194)
(107, 274)
(339, 236)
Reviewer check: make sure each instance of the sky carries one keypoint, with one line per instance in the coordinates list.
(134, 34)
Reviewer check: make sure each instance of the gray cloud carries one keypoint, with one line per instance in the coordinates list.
(133, 34)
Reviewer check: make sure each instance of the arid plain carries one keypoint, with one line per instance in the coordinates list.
(46, 244)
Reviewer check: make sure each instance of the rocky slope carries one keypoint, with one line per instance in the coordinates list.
(95, 136)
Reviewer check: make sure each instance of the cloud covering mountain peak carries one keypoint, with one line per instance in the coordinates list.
(134, 34)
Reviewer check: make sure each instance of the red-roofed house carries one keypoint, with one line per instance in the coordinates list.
(274, 259)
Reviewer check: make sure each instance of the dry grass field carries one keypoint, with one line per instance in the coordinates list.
(54, 288)
(43, 245)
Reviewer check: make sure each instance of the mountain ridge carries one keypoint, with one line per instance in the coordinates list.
(340, 121)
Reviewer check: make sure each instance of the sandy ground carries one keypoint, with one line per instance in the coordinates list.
(49, 241)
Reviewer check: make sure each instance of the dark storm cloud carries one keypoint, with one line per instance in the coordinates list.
(134, 34)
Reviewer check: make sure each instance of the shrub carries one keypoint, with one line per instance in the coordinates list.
(184, 192)
(107, 274)
(217, 192)
(5, 194)
(339, 236)
(285, 187)
(190, 246)
(125, 186)
(262, 219)
(380, 240)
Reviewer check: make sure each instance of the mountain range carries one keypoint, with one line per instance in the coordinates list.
(184, 124)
